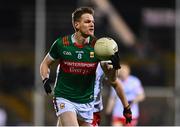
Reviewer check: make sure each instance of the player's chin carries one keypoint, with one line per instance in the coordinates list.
(91, 32)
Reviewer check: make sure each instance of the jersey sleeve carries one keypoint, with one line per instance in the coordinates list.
(54, 51)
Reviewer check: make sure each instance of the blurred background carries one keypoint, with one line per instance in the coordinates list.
(144, 29)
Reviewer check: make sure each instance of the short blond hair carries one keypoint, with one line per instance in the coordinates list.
(76, 15)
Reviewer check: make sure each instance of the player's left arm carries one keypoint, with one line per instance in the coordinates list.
(120, 92)
(111, 74)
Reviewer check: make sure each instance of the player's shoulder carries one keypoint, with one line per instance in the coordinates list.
(63, 40)
(64, 36)
(134, 78)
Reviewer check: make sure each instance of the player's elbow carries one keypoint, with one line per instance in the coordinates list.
(43, 65)
(113, 82)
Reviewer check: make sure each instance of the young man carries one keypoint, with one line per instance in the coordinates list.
(74, 86)
(134, 93)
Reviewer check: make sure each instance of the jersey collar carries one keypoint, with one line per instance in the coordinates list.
(74, 40)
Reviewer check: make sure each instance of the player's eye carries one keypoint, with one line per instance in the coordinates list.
(89, 21)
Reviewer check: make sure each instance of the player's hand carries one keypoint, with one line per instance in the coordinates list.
(115, 61)
(47, 87)
(127, 114)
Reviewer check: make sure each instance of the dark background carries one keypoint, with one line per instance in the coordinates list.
(151, 59)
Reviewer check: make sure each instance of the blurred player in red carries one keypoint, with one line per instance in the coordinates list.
(134, 93)
(98, 104)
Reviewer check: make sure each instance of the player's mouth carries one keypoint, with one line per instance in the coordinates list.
(91, 30)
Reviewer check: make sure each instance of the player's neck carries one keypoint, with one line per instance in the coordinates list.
(79, 38)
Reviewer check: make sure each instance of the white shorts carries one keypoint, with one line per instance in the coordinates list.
(84, 111)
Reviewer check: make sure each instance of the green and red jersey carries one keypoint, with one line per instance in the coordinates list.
(78, 64)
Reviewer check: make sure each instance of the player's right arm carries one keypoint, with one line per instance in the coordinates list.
(44, 72)
(45, 66)
(48, 60)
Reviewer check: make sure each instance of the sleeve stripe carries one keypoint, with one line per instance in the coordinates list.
(50, 57)
(65, 41)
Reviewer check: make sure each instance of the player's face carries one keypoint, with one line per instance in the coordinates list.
(86, 24)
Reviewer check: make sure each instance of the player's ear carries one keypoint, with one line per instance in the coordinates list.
(76, 25)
